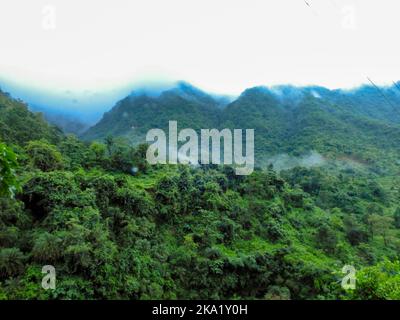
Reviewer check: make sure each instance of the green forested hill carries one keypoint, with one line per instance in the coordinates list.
(116, 228)
(18, 125)
(286, 119)
(381, 104)
(138, 113)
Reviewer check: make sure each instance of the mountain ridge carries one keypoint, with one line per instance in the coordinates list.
(286, 119)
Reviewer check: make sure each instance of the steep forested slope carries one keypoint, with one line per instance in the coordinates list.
(138, 113)
(18, 125)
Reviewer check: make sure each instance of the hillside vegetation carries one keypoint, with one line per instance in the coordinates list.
(286, 119)
(116, 228)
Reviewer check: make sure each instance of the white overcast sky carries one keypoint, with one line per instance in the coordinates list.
(223, 46)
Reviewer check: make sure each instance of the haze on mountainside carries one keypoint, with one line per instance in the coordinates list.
(85, 56)
(293, 125)
(287, 119)
(117, 228)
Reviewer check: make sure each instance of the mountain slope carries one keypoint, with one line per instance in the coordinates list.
(286, 119)
(18, 125)
(140, 112)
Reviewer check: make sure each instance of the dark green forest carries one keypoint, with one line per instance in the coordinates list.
(115, 227)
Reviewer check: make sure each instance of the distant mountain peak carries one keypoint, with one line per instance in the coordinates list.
(261, 93)
(180, 89)
(157, 89)
(256, 90)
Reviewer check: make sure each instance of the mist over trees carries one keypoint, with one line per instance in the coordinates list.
(115, 227)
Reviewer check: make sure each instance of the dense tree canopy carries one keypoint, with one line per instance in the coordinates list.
(115, 227)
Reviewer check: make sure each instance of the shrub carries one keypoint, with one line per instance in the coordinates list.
(11, 262)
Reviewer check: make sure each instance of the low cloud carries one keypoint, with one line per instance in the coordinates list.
(284, 161)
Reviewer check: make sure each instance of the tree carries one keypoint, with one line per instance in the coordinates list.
(47, 247)
(11, 262)
(355, 232)
(8, 164)
(378, 282)
(380, 225)
(44, 156)
(109, 141)
(139, 158)
(397, 218)
(277, 293)
(327, 238)
(74, 151)
(96, 155)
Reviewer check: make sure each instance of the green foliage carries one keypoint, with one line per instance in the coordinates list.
(397, 218)
(136, 114)
(338, 124)
(96, 155)
(44, 156)
(139, 158)
(11, 262)
(8, 165)
(47, 248)
(18, 125)
(117, 228)
(380, 282)
(74, 152)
